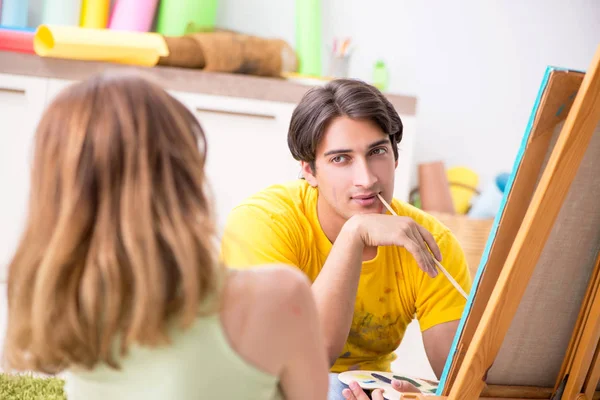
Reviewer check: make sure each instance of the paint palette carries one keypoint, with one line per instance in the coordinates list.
(383, 380)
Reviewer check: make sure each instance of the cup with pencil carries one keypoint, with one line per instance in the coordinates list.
(339, 59)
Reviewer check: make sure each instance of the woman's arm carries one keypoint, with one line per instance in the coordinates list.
(305, 374)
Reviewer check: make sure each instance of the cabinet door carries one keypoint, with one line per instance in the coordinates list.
(247, 146)
(55, 86)
(22, 101)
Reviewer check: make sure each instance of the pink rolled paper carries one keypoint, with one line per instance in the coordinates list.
(133, 15)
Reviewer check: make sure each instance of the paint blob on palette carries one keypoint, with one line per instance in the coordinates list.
(383, 380)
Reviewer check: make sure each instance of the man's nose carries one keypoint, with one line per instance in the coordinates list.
(363, 175)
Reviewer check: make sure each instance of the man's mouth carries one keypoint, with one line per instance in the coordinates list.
(364, 196)
(365, 199)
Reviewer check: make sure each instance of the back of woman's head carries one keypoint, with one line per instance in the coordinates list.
(119, 232)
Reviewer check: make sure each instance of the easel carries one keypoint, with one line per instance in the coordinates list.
(513, 341)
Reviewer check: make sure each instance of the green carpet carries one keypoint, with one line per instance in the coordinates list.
(27, 387)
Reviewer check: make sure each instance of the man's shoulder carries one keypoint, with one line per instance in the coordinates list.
(282, 199)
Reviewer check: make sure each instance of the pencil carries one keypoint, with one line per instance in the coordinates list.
(440, 266)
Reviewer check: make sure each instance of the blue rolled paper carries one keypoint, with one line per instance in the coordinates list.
(14, 13)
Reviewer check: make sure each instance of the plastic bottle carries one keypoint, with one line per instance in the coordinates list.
(380, 75)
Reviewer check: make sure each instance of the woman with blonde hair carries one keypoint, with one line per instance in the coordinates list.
(116, 283)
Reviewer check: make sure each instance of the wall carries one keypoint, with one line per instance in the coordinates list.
(479, 73)
(475, 66)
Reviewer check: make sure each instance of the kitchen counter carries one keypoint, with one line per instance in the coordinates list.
(179, 79)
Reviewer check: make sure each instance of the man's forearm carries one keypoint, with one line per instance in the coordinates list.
(335, 289)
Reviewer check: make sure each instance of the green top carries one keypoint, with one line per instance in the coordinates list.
(198, 364)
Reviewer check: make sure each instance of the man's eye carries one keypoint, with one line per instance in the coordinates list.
(378, 151)
(338, 159)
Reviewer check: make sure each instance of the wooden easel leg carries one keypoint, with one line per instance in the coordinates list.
(539, 219)
(591, 382)
(591, 293)
(586, 348)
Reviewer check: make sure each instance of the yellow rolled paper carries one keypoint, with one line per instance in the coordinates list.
(94, 13)
(76, 43)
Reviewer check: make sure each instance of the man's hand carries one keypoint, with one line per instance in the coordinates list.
(336, 285)
(391, 230)
(356, 393)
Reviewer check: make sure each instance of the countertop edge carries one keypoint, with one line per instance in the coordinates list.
(178, 79)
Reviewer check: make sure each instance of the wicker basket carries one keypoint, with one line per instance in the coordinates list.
(471, 233)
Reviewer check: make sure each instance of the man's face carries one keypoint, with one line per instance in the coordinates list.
(354, 162)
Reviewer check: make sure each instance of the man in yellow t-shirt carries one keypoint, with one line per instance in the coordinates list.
(372, 272)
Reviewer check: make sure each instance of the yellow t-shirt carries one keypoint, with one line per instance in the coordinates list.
(280, 225)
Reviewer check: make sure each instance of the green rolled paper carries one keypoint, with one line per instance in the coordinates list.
(179, 17)
(61, 12)
(308, 36)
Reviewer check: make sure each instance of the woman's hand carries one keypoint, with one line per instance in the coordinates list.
(356, 393)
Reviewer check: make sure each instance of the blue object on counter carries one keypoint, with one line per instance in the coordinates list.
(14, 13)
(487, 204)
(502, 180)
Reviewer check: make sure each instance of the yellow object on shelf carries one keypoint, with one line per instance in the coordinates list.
(463, 185)
(94, 13)
(76, 43)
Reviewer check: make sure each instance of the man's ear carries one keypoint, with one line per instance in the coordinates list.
(308, 174)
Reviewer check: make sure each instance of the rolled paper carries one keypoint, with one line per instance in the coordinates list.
(16, 40)
(76, 43)
(61, 12)
(133, 15)
(308, 36)
(179, 17)
(14, 13)
(94, 13)
(230, 52)
(184, 51)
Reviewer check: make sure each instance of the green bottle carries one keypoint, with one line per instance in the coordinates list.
(380, 76)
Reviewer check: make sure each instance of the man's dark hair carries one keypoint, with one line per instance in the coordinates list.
(342, 97)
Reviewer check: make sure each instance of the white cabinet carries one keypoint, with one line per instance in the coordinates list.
(22, 101)
(247, 146)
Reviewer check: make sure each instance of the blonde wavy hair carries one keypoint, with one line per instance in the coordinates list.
(119, 235)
